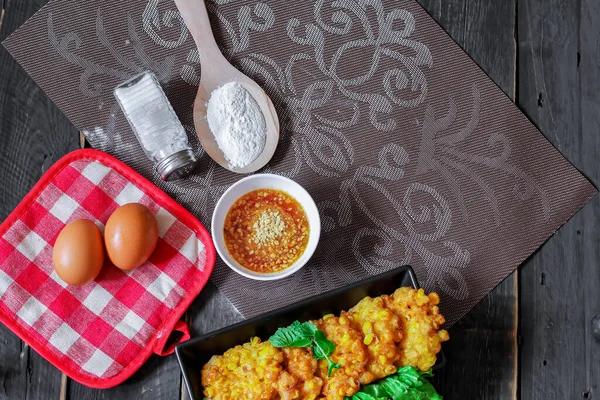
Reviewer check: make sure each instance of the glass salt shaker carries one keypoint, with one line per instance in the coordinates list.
(156, 125)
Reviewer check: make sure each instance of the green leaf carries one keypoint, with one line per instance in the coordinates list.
(301, 342)
(426, 374)
(322, 349)
(375, 390)
(366, 396)
(331, 366)
(310, 328)
(304, 329)
(406, 384)
(323, 346)
(306, 334)
(292, 336)
(409, 375)
(283, 337)
(429, 390)
(395, 387)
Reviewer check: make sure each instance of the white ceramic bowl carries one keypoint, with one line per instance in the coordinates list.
(265, 181)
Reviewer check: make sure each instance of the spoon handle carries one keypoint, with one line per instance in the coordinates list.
(196, 19)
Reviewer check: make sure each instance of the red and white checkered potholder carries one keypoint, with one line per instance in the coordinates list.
(102, 332)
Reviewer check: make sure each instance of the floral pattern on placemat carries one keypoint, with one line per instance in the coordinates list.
(412, 154)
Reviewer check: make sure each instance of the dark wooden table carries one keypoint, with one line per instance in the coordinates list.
(529, 339)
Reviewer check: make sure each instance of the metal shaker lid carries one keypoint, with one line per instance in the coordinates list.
(177, 165)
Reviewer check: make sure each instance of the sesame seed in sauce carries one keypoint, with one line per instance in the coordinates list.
(266, 230)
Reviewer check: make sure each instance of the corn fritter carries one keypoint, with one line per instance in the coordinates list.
(350, 353)
(382, 333)
(421, 322)
(298, 380)
(372, 340)
(244, 372)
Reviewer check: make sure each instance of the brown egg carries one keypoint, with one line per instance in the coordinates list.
(78, 254)
(130, 235)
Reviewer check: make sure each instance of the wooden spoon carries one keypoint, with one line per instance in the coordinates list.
(217, 71)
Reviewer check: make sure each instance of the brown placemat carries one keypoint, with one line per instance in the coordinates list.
(411, 152)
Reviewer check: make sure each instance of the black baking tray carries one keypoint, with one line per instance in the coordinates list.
(193, 354)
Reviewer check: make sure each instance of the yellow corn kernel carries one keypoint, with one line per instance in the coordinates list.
(382, 359)
(255, 340)
(344, 320)
(443, 335)
(368, 339)
(341, 392)
(367, 326)
(390, 369)
(231, 366)
(327, 316)
(311, 385)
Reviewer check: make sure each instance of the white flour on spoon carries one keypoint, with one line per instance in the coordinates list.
(237, 123)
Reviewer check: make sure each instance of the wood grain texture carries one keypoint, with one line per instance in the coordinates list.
(558, 62)
(159, 378)
(33, 134)
(44, 380)
(1, 13)
(482, 353)
(13, 366)
(211, 311)
(559, 89)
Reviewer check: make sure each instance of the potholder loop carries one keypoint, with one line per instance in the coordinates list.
(184, 334)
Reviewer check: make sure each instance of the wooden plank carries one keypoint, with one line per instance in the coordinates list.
(34, 134)
(44, 380)
(483, 353)
(64, 387)
(559, 88)
(159, 378)
(211, 311)
(1, 14)
(13, 366)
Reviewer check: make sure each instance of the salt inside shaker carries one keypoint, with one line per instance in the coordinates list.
(156, 125)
